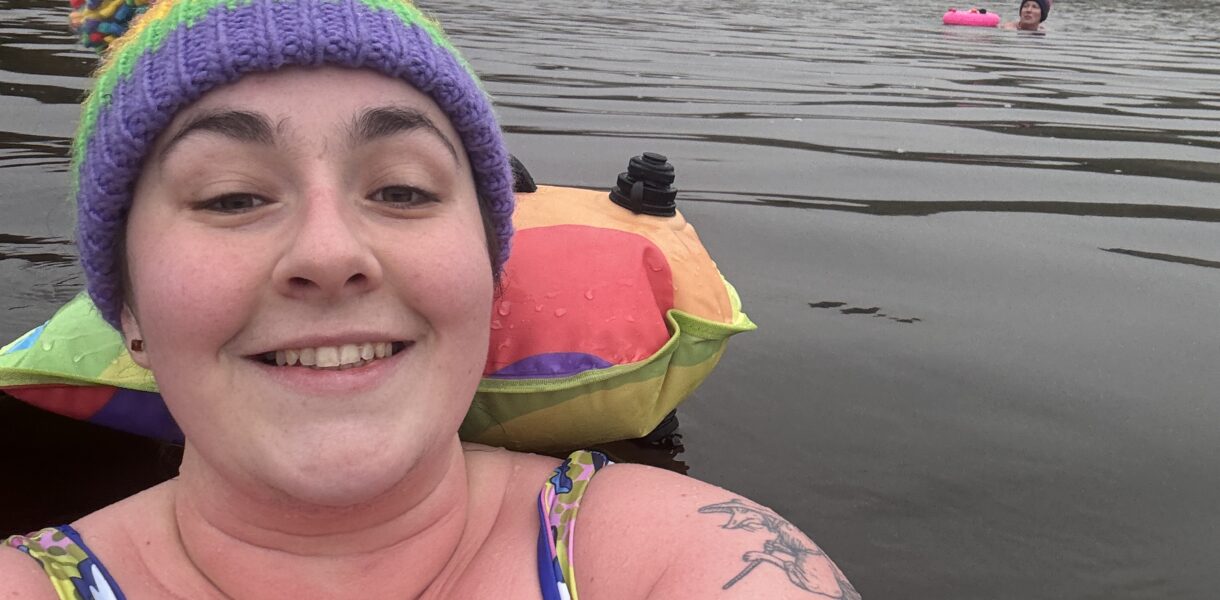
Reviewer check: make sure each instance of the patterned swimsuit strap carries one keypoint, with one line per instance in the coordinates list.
(558, 505)
(74, 571)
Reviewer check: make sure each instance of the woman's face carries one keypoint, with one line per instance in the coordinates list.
(1031, 13)
(322, 217)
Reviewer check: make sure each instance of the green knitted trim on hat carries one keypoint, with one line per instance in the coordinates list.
(149, 32)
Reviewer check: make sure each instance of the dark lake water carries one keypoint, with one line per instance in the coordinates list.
(985, 264)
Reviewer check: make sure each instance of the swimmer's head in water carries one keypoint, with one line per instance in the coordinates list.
(1044, 5)
(180, 49)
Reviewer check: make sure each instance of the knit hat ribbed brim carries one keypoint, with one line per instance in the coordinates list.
(178, 50)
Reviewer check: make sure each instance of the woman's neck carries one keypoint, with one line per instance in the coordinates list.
(264, 545)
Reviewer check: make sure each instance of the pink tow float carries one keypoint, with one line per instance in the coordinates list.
(975, 17)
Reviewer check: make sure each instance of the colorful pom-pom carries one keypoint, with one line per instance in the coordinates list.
(99, 22)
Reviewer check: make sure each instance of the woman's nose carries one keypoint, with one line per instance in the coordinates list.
(328, 256)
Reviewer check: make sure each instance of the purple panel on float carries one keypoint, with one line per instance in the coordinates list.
(141, 413)
(552, 365)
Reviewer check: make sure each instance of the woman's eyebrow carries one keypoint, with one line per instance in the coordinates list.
(242, 126)
(382, 121)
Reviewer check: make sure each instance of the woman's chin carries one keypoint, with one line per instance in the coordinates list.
(337, 492)
(343, 474)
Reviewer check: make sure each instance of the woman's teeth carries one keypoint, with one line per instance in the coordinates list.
(334, 357)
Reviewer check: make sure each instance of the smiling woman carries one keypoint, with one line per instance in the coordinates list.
(372, 240)
(295, 211)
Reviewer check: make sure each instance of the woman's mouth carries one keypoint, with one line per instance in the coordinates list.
(336, 358)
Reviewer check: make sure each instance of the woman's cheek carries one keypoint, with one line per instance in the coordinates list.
(448, 268)
(192, 290)
(461, 299)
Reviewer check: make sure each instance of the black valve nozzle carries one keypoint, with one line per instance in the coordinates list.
(646, 187)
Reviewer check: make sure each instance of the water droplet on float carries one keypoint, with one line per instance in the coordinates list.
(559, 312)
(631, 318)
(47, 346)
(495, 324)
(537, 308)
(504, 308)
(589, 294)
(552, 294)
(656, 267)
(78, 358)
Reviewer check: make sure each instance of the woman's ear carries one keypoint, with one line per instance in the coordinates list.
(132, 336)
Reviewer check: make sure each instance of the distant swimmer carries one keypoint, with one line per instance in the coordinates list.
(1031, 15)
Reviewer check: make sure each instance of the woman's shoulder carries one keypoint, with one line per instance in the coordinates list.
(145, 511)
(21, 576)
(687, 538)
(24, 559)
(102, 536)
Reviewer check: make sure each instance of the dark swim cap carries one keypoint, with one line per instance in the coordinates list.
(1045, 5)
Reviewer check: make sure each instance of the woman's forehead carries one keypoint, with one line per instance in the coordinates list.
(300, 93)
(311, 102)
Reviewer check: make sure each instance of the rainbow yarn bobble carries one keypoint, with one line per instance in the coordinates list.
(100, 22)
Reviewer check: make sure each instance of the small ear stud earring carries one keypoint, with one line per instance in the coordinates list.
(137, 345)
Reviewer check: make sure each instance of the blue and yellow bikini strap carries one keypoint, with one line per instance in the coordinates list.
(74, 571)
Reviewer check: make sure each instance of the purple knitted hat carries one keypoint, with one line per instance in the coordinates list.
(180, 49)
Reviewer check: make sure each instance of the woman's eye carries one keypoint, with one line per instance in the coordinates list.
(402, 196)
(233, 203)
